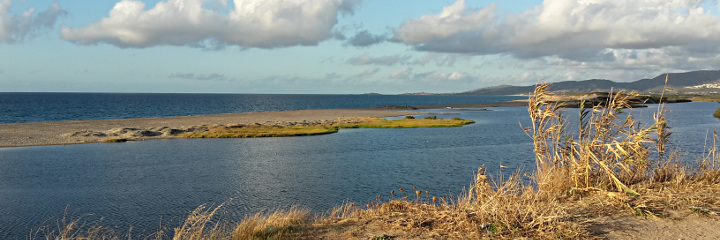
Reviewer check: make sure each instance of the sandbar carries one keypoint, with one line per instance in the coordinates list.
(56, 132)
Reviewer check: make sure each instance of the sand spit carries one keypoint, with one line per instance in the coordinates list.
(89, 131)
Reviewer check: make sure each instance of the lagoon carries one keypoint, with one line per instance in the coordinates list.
(148, 184)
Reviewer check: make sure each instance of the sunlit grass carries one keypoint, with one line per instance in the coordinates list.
(252, 131)
(405, 123)
(261, 131)
(115, 140)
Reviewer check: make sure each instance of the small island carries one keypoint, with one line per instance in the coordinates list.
(271, 129)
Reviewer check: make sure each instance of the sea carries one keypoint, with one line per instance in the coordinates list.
(38, 107)
(150, 185)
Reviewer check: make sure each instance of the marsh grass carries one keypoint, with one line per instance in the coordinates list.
(115, 140)
(404, 123)
(261, 131)
(609, 164)
(309, 130)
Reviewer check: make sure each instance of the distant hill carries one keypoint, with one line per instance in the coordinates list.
(697, 82)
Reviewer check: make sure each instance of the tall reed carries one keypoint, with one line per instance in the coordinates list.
(608, 151)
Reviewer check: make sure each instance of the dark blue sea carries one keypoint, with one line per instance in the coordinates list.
(154, 184)
(37, 107)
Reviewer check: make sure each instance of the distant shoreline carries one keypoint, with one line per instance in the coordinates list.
(514, 103)
(58, 132)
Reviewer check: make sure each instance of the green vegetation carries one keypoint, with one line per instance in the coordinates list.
(704, 98)
(655, 98)
(717, 113)
(404, 123)
(115, 140)
(286, 131)
(261, 131)
(610, 165)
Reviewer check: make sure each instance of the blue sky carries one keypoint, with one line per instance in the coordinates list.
(346, 46)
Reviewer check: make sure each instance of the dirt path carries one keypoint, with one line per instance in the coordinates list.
(683, 226)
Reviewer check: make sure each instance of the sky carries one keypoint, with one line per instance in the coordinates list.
(346, 46)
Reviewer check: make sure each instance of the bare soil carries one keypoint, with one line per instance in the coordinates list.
(685, 225)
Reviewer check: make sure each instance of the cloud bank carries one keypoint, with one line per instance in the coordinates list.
(247, 23)
(16, 28)
(365, 39)
(387, 60)
(597, 31)
(199, 77)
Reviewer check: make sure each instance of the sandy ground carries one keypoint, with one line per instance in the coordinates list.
(684, 226)
(623, 227)
(54, 133)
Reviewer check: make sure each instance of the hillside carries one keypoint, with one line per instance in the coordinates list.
(696, 82)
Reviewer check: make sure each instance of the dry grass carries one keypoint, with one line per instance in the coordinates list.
(608, 164)
(78, 228)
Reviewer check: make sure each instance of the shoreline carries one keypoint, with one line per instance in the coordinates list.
(59, 132)
(56, 132)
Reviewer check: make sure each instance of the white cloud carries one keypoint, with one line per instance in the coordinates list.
(388, 60)
(441, 77)
(251, 23)
(200, 77)
(16, 28)
(442, 60)
(585, 31)
(403, 73)
(452, 20)
(432, 77)
(366, 73)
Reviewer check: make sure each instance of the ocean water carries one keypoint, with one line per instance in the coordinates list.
(37, 107)
(148, 184)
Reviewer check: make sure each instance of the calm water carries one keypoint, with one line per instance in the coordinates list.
(145, 183)
(36, 107)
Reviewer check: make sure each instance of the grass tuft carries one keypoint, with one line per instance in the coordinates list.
(115, 140)
(281, 224)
